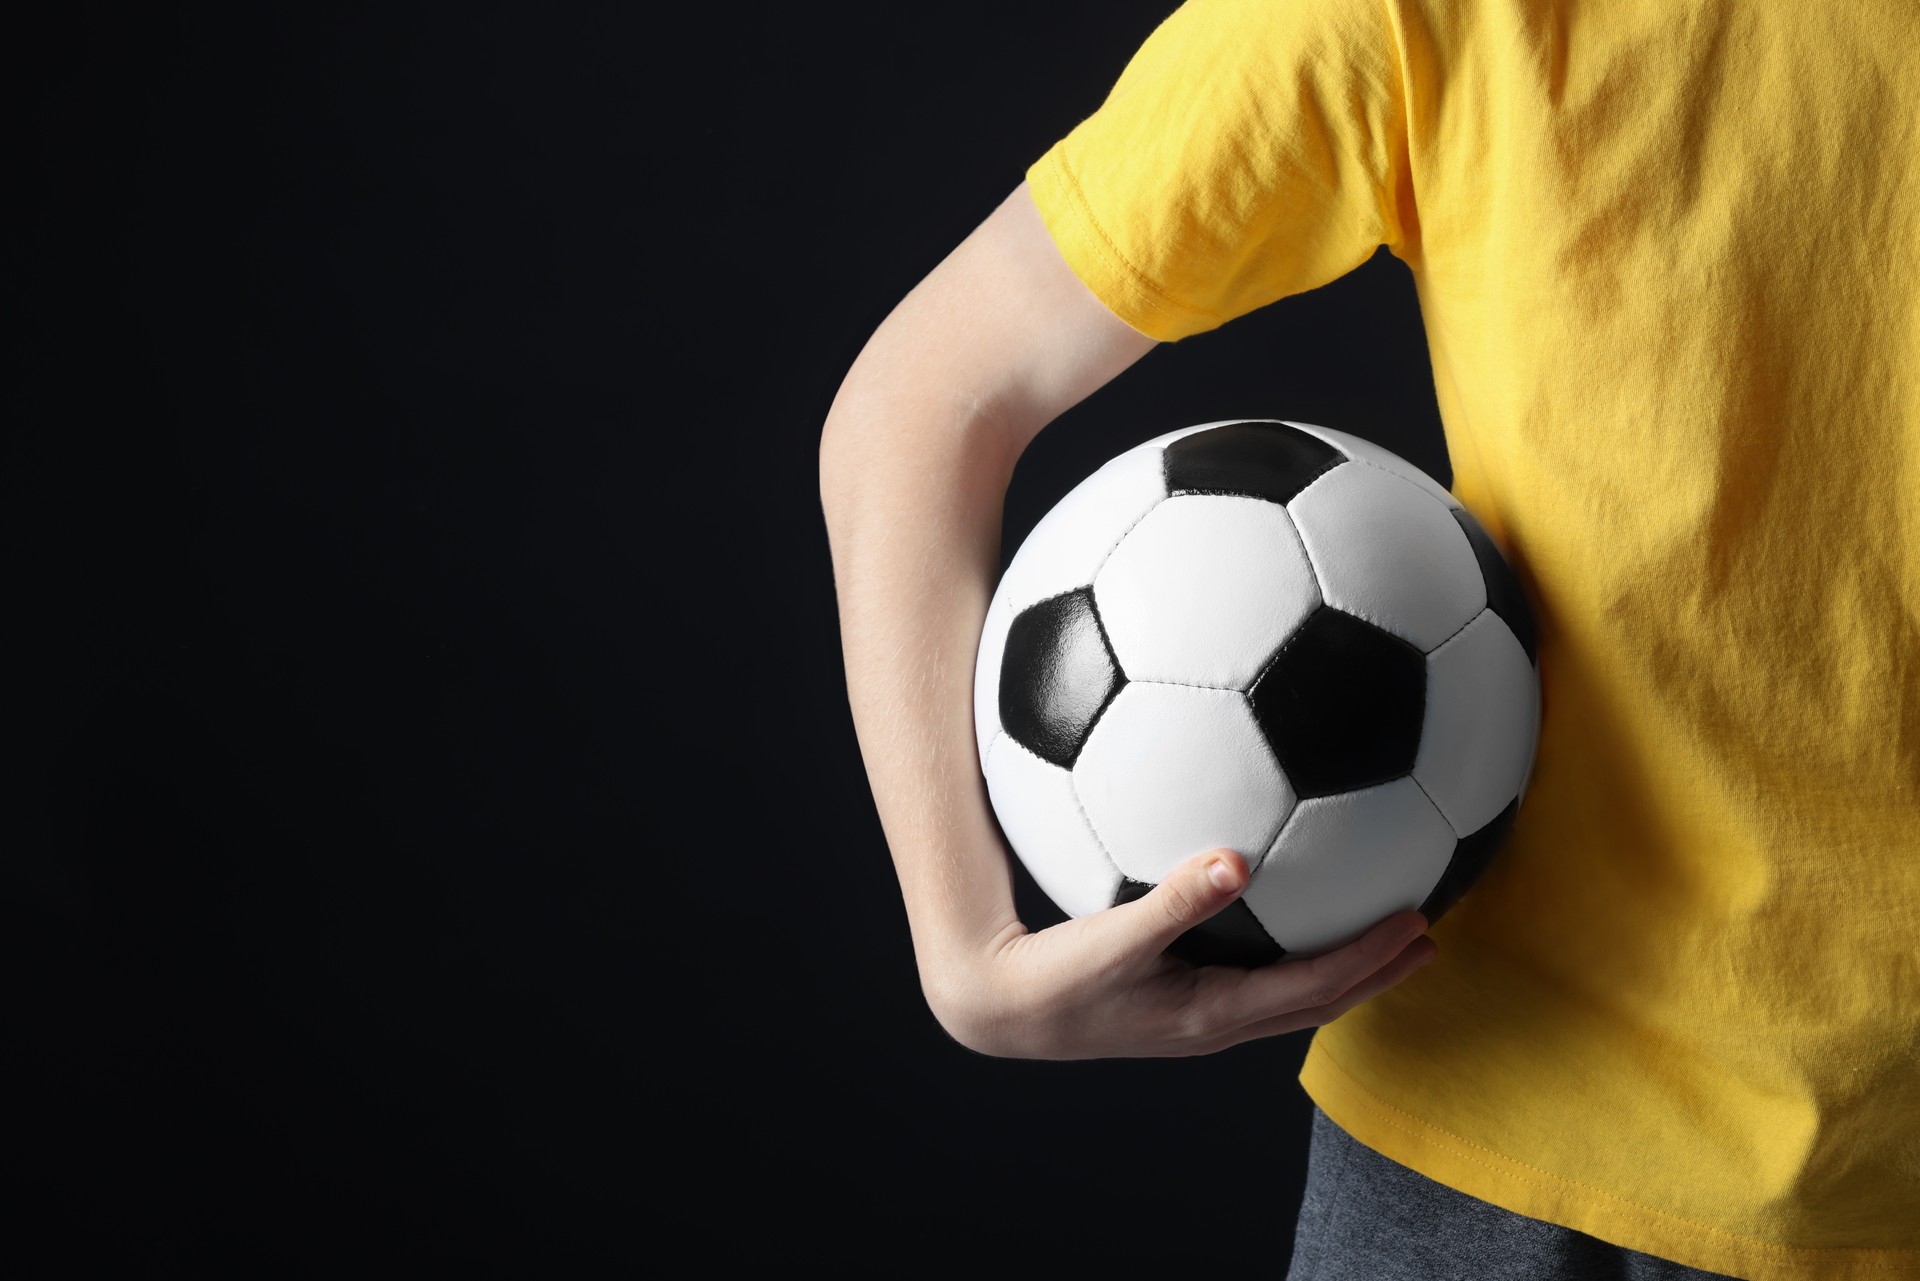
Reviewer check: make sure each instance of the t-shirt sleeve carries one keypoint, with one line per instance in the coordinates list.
(1250, 150)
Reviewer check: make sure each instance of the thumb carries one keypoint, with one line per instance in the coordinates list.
(1195, 890)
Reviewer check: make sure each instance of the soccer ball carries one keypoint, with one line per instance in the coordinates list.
(1267, 636)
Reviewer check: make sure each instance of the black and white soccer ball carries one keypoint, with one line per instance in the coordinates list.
(1271, 637)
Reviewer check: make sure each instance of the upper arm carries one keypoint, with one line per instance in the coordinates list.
(1004, 326)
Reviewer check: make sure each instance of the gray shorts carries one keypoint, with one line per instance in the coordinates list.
(1366, 1218)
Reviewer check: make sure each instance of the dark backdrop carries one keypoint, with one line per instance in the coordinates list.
(435, 831)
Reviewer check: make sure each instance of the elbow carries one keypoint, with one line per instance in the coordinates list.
(846, 435)
(839, 448)
(894, 425)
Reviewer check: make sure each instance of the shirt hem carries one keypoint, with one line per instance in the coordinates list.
(1537, 1194)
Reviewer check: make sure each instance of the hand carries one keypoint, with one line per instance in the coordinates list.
(1103, 986)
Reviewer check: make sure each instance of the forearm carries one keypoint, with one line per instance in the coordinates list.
(912, 481)
(995, 343)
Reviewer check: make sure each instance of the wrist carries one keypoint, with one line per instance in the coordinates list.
(965, 984)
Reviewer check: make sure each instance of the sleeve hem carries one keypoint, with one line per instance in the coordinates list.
(1125, 290)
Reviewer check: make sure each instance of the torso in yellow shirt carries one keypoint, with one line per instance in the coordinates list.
(1666, 258)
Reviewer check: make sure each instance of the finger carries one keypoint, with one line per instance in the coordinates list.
(1192, 892)
(1287, 986)
(1392, 974)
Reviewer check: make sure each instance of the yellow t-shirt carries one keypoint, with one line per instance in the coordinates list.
(1665, 254)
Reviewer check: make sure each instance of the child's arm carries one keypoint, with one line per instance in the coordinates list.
(920, 442)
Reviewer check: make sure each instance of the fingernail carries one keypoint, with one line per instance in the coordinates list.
(1428, 959)
(1221, 875)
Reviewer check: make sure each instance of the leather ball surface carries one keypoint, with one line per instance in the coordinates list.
(1268, 636)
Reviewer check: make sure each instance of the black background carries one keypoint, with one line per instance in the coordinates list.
(435, 832)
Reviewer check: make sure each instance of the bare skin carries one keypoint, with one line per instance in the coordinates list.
(919, 445)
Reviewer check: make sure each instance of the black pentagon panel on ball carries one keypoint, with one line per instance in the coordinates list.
(1342, 704)
(1232, 936)
(1471, 855)
(1257, 460)
(1504, 595)
(1057, 676)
